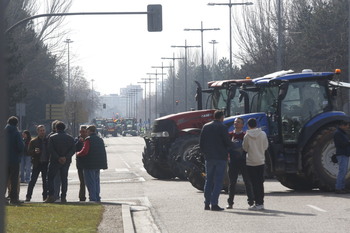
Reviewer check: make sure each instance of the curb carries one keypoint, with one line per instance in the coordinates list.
(127, 220)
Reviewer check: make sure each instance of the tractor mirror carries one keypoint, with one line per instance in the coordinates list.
(283, 90)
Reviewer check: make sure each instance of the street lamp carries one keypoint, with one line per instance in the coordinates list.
(145, 83)
(174, 74)
(149, 79)
(230, 12)
(213, 42)
(202, 30)
(68, 41)
(185, 47)
(162, 67)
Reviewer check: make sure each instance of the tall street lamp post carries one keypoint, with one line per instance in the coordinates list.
(145, 83)
(162, 67)
(185, 47)
(230, 14)
(68, 41)
(149, 81)
(213, 42)
(174, 76)
(202, 45)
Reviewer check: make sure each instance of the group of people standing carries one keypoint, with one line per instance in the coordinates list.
(51, 155)
(246, 155)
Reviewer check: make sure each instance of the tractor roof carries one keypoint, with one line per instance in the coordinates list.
(224, 83)
(289, 75)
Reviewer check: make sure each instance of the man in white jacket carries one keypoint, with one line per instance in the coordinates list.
(255, 143)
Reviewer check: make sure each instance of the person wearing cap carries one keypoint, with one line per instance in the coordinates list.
(342, 146)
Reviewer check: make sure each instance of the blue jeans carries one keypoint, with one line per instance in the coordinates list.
(92, 182)
(343, 162)
(215, 170)
(26, 168)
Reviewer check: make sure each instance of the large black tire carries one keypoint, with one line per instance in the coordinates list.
(318, 164)
(295, 182)
(155, 168)
(196, 170)
(177, 153)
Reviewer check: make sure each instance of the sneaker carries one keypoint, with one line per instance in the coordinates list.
(252, 207)
(63, 200)
(50, 199)
(229, 206)
(206, 207)
(259, 207)
(27, 199)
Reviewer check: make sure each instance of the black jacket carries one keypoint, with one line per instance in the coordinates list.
(96, 158)
(43, 156)
(78, 146)
(214, 141)
(15, 145)
(61, 145)
(341, 142)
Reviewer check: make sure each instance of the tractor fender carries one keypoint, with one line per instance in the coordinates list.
(192, 131)
(318, 122)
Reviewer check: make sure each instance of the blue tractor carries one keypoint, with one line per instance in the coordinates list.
(298, 111)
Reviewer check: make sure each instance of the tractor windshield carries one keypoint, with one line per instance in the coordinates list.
(219, 99)
(303, 101)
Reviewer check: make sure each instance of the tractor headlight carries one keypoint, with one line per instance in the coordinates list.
(163, 134)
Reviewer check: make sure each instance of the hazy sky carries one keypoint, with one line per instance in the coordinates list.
(118, 50)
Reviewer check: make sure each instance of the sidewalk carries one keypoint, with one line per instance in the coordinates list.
(116, 219)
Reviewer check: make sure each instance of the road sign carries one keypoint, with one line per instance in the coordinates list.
(55, 111)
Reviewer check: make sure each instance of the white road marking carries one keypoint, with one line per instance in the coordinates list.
(126, 164)
(316, 208)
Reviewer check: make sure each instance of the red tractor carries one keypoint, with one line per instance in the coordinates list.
(174, 135)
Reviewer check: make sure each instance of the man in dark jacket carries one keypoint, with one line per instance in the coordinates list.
(38, 149)
(93, 158)
(79, 143)
(342, 145)
(15, 147)
(214, 142)
(237, 164)
(61, 148)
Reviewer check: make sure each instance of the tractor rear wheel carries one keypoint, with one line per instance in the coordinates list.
(318, 163)
(295, 182)
(196, 170)
(177, 153)
(155, 168)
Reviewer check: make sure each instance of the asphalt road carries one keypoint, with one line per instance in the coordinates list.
(175, 206)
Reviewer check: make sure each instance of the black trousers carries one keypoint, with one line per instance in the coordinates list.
(54, 167)
(13, 176)
(37, 169)
(82, 191)
(256, 174)
(236, 166)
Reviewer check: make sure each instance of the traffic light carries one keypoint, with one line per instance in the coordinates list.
(154, 18)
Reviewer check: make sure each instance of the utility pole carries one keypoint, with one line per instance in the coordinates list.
(279, 36)
(230, 15)
(213, 42)
(202, 45)
(185, 47)
(149, 81)
(174, 76)
(145, 83)
(68, 41)
(156, 74)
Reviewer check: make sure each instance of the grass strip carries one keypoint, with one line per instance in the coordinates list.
(63, 218)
